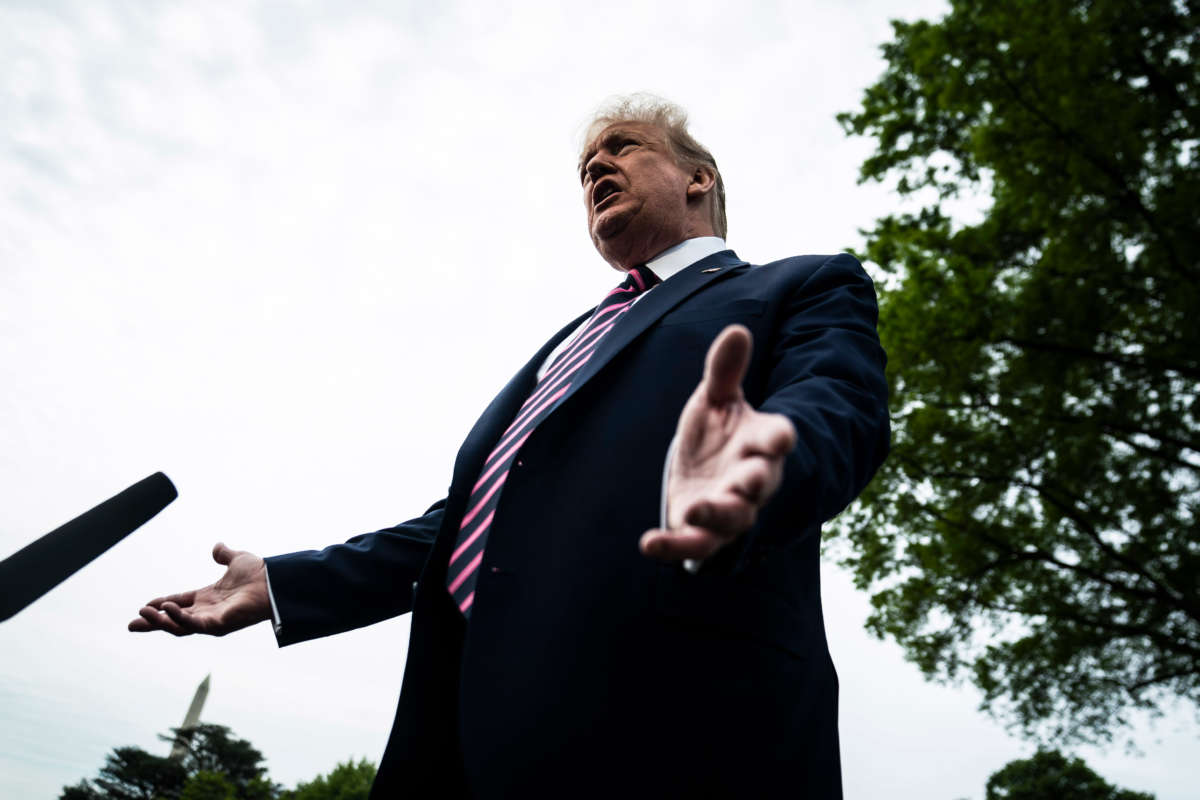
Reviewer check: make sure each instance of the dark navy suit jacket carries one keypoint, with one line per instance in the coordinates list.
(588, 670)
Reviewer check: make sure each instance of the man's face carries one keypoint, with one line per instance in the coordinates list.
(635, 193)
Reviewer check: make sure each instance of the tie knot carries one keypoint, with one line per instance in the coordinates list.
(639, 279)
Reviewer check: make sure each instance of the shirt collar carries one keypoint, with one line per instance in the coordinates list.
(683, 255)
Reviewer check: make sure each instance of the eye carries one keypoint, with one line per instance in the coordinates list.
(624, 145)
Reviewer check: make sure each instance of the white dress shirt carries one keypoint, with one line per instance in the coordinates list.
(666, 264)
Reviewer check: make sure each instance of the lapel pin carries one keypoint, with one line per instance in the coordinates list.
(711, 269)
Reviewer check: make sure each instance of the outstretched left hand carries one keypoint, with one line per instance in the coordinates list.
(728, 459)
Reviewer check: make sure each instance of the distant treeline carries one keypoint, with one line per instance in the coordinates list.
(214, 765)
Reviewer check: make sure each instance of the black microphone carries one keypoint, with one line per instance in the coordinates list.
(43, 564)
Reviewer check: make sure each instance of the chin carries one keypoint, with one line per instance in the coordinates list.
(608, 242)
(608, 228)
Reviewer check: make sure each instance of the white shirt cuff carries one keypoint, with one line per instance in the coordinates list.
(275, 621)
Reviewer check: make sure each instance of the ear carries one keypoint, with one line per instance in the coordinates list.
(703, 180)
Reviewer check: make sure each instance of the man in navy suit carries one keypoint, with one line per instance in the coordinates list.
(647, 617)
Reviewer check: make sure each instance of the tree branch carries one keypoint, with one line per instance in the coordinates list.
(1147, 364)
(1074, 419)
(1038, 553)
(1153, 452)
(1161, 591)
(1106, 626)
(1134, 688)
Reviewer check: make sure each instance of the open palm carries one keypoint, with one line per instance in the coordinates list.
(728, 458)
(235, 601)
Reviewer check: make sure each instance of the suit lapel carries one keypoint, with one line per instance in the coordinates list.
(503, 409)
(645, 312)
(653, 306)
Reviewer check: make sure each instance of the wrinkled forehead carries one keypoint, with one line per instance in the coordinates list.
(599, 133)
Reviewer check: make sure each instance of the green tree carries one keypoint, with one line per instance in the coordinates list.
(206, 785)
(347, 781)
(213, 749)
(215, 766)
(84, 790)
(1049, 775)
(1035, 528)
(130, 773)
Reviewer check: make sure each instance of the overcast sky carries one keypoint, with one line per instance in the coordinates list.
(237, 243)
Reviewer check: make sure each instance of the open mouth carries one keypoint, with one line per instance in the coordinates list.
(603, 192)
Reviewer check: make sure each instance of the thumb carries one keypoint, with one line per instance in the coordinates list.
(726, 363)
(222, 554)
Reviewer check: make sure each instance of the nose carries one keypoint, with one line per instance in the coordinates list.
(599, 165)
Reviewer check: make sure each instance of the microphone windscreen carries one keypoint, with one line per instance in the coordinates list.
(38, 567)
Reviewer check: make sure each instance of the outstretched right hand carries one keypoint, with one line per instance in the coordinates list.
(235, 601)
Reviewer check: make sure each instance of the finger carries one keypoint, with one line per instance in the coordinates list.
(155, 620)
(187, 621)
(222, 554)
(204, 622)
(678, 544)
(725, 366)
(771, 435)
(753, 480)
(147, 619)
(182, 618)
(724, 519)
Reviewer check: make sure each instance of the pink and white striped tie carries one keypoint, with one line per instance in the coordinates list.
(463, 570)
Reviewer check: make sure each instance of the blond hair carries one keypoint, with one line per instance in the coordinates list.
(672, 121)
